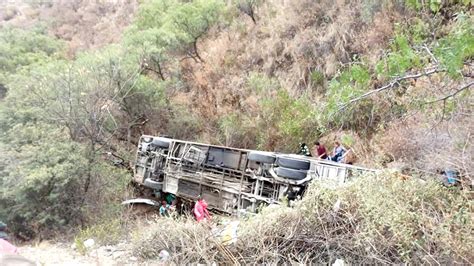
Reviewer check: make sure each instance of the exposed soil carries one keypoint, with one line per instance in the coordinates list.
(47, 253)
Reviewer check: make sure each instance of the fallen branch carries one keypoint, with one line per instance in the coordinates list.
(445, 98)
(465, 87)
(392, 84)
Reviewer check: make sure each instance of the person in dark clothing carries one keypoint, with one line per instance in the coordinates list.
(293, 193)
(290, 194)
(304, 150)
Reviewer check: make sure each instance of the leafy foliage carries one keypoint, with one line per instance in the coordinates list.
(21, 48)
(435, 5)
(287, 121)
(53, 123)
(349, 84)
(41, 179)
(166, 25)
(458, 46)
(261, 84)
(238, 130)
(401, 58)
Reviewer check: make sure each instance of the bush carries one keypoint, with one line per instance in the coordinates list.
(458, 46)
(349, 84)
(187, 241)
(287, 121)
(108, 232)
(237, 131)
(376, 219)
(261, 84)
(317, 77)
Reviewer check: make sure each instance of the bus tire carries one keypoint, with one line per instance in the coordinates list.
(293, 163)
(261, 157)
(291, 173)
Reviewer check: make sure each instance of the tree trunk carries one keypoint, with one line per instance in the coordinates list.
(196, 50)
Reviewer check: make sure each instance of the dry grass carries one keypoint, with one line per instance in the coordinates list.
(423, 143)
(375, 220)
(77, 22)
(290, 40)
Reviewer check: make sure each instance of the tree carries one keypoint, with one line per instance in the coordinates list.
(248, 7)
(41, 184)
(164, 26)
(152, 46)
(191, 20)
(56, 122)
(20, 48)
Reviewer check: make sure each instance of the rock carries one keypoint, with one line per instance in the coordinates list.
(133, 258)
(116, 255)
(164, 255)
(338, 262)
(89, 243)
(73, 246)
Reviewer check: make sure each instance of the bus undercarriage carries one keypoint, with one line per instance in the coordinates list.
(231, 180)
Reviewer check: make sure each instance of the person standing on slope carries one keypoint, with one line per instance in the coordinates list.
(200, 210)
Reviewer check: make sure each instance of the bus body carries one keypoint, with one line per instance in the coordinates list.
(231, 180)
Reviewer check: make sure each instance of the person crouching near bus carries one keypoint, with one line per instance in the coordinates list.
(338, 152)
(319, 151)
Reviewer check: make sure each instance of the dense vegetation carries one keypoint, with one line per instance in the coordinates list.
(392, 79)
(375, 220)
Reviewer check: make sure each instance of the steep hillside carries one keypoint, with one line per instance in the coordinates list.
(80, 81)
(283, 75)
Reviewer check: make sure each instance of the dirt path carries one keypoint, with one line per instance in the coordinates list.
(47, 253)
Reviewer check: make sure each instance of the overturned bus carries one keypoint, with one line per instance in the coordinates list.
(231, 180)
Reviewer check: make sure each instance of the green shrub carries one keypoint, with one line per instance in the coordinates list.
(19, 48)
(457, 46)
(435, 5)
(317, 77)
(237, 130)
(261, 84)
(347, 140)
(401, 58)
(287, 121)
(350, 84)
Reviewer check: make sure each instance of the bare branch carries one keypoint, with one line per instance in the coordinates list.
(430, 53)
(393, 83)
(465, 87)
